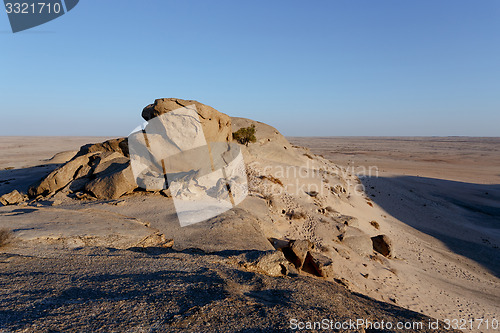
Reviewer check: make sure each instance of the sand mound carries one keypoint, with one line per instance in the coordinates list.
(290, 189)
(271, 144)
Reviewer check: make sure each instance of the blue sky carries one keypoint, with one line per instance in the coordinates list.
(326, 68)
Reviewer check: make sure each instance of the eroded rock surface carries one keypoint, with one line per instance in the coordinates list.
(216, 125)
(383, 245)
(103, 169)
(11, 198)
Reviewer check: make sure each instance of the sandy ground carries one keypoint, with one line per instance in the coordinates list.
(19, 152)
(442, 217)
(440, 197)
(472, 160)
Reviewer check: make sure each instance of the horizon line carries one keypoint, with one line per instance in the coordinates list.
(286, 136)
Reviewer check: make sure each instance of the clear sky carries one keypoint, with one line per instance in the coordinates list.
(327, 68)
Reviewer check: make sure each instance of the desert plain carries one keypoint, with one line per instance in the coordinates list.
(340, 228)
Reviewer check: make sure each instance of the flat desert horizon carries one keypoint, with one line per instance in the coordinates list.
(436, 198)
(459, 158)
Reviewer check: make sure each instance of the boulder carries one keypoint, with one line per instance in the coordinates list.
(300, 249)
(322, 265)
(62, 176)
(11, 198)
(114, 181)
(101, 169)
(300, 254)
(216, 125)
(119, 145)
(272, 263)
(357, 240)
(383, 245)
(295, 251)
(102, 162)
(233, 230)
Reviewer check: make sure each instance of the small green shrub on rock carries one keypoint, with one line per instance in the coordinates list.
(245, 135)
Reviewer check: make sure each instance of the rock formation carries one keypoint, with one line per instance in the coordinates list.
(216, 125)
(294, 197)
(11, 198)
(103, 170)
(383, 245)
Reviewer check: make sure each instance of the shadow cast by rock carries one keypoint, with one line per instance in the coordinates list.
(464, 216)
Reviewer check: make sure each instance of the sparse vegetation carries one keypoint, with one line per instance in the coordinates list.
(245, 135)
(296, 215)
(5, 236)
(272, 179)
(309, 156)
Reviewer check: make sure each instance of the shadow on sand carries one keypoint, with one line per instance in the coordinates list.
(464, 216)
(22, 179)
